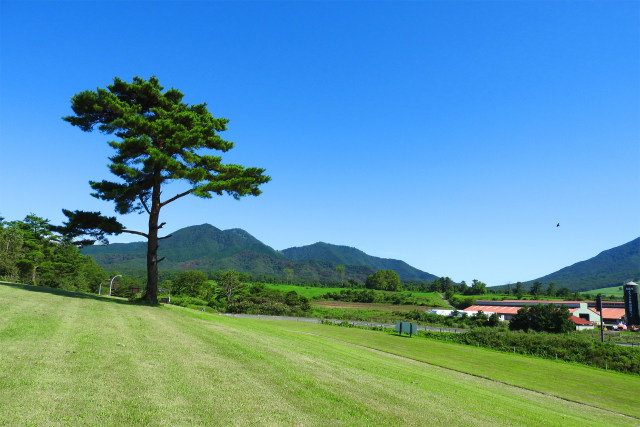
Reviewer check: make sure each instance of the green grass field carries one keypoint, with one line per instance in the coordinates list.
(427, 298)
(614, 290)
(79, 359)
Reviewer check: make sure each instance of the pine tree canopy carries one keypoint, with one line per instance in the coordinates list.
(159, 139)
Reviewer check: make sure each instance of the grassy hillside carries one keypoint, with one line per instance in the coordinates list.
(616, 291)
(78, 359)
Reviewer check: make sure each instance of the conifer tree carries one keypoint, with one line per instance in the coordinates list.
(160, 139)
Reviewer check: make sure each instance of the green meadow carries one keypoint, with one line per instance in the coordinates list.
(430, 299)
(616, 291)
(69, 358)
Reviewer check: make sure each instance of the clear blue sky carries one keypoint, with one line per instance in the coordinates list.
(451, 135)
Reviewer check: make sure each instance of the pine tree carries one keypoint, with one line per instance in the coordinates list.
(160, 139)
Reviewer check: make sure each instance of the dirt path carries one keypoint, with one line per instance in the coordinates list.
(446, 302)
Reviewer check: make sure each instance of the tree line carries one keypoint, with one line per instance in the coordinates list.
(32, 252)
(231, 292)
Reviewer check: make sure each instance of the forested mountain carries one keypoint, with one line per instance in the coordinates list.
(206, 248)
(345, 255)
(609, 268)
(202, 247)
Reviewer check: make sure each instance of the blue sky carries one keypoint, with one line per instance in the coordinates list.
(451, 135)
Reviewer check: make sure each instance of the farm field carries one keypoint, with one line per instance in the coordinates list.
(368, 306)
(80, 359)
(428, 298)
(614, 290)
(370, 312)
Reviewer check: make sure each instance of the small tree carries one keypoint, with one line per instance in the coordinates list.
(551, 289)
(340, 270)
(536, 289)
(229, 282)
(494, 320)
(161, 139)
(385, 280)
(193, 283)
(478, 288)
(288, 274)
(542, 318)
(480, 319)
(519, 290)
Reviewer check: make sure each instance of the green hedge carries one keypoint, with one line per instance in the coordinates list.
(568, 347)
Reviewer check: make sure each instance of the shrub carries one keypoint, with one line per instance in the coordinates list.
(188, 301)
(542, 317)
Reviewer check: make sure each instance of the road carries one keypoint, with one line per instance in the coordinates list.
(353, 322)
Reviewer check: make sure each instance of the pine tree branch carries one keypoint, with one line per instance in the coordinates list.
(165, 237)
(139, 233)
(144, 204)
(176, 197)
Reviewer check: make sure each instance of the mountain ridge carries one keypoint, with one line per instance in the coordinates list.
(347, 255)
(610, 267)
(208, 248)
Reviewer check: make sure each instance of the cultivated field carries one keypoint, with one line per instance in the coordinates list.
(78, 359)
(368, 306)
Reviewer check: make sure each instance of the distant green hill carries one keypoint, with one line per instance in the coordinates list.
(202, 247)
(609, 268)
(345, 255)
(205, 247)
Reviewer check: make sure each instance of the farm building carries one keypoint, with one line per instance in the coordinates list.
(504, 312)
(612, 311)
(581, 324)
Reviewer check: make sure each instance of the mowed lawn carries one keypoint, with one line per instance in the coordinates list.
(75, 359)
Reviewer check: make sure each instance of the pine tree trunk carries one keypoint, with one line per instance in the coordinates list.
(152, 244)
(152, 261)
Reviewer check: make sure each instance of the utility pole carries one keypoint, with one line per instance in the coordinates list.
(599, 307)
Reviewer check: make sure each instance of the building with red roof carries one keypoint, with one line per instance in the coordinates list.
(612, 312)
(581, 324)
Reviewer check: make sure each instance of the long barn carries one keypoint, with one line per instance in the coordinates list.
(612, 311)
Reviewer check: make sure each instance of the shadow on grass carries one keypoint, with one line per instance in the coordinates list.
(395, 334)
(70, 294)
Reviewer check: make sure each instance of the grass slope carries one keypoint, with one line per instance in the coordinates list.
(613, 290)
(76, 359)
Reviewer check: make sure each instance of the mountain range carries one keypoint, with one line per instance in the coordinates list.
(205, 247)
(609, 268)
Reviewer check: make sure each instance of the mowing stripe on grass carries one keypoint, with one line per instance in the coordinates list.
(604, 389)
(478, 376)
(106, 363)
